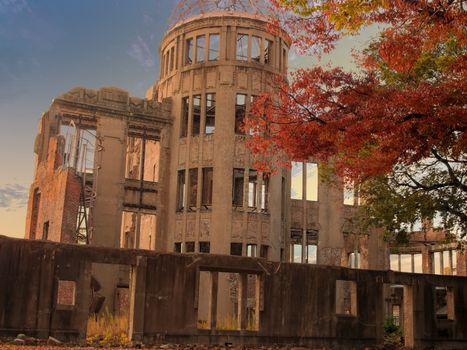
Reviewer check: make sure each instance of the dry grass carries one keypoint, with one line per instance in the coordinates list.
(108, 329)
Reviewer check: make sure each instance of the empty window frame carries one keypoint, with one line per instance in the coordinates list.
(268, 52)
(252, 188)
(240, 110)
(213, 47)
(264, 193)
(444, 303)
(184, 116)
(189, 247)
(242, 47)
(204, 247)
(346, 298)
(181, 189)
(142, 159)
(45, 231)
(251, 250)
(189, 51)
(196, 125)
(210, 114)
(172, 58)
(444, 262)
(237, 187)
(200, 47)
(311, 181)
(284, 60)
(264, 251)
(255, 48)
(192, 187)
(311, 254)
(349, 194)
(354, 260)
(296, 190)
(236, 249)
(411, 262)
(206, 197)
(177, 247)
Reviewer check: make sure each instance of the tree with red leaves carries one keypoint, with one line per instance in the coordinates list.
(397, 127)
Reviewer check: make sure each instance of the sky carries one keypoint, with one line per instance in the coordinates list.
(48, 47)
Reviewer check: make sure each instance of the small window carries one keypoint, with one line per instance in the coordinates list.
(242, 47)
(237, 190)
(210, 113)
(177, 247)
(192, 187)
(252, 188)
(190, 247)
(189, 51)
(255, 48)
(251, 250)
(444, 303)
(296, 253)
(418, 263)
(236, 249)
(181, 188)
(354, 260)
(312, 253)
(184, 118)
(264, 251)
(196, 126)
(66, 293)
(45, 231)
(349, 194)
(206, 198)
(394, 262)
(204, 247)
(213, 47)
(346, 298)
(240, 110)
(268, 52)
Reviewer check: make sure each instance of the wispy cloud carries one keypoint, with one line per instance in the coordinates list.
(148, 20)
(140, 51)
(14, 6)
(13, 196)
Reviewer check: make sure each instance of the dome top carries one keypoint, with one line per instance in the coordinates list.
(186, 9)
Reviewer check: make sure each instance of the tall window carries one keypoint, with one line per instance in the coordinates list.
(196, 126)
(296, 191)
(242, 47)
(172, 58)
(200, 45)
(206, 198)
(268, 52)
(193, 187)
(264, 193)
(184, 117)
(237, 188)
(210, 113)
(252, 188)
(251, 250)
(311, 182)
(349, 194)
(284, 60)
(354, 260)
(213, 47)
(255, 48)
(189, 51)
(240, 110)
(181, 190)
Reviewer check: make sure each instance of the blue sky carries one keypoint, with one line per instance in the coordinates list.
(48, 47)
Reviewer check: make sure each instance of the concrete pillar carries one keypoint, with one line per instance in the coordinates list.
(137, 299)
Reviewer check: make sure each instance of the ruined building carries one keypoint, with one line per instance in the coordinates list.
(171, 172)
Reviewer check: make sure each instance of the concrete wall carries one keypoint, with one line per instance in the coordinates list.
(296, 303)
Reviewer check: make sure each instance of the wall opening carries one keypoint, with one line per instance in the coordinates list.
(346, 298)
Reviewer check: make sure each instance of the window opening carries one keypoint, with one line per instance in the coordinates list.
(255, 48)
(238, 187)
(240, 110)
(242, 47)
(213, 47)
(181, 188)
(210, 113)
(184, 118)
(196, 126)
(252, 188)
(236, 249)
(206, 198)
(189, 51)
(200, 45)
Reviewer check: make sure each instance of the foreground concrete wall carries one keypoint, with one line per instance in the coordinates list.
(165, 297)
